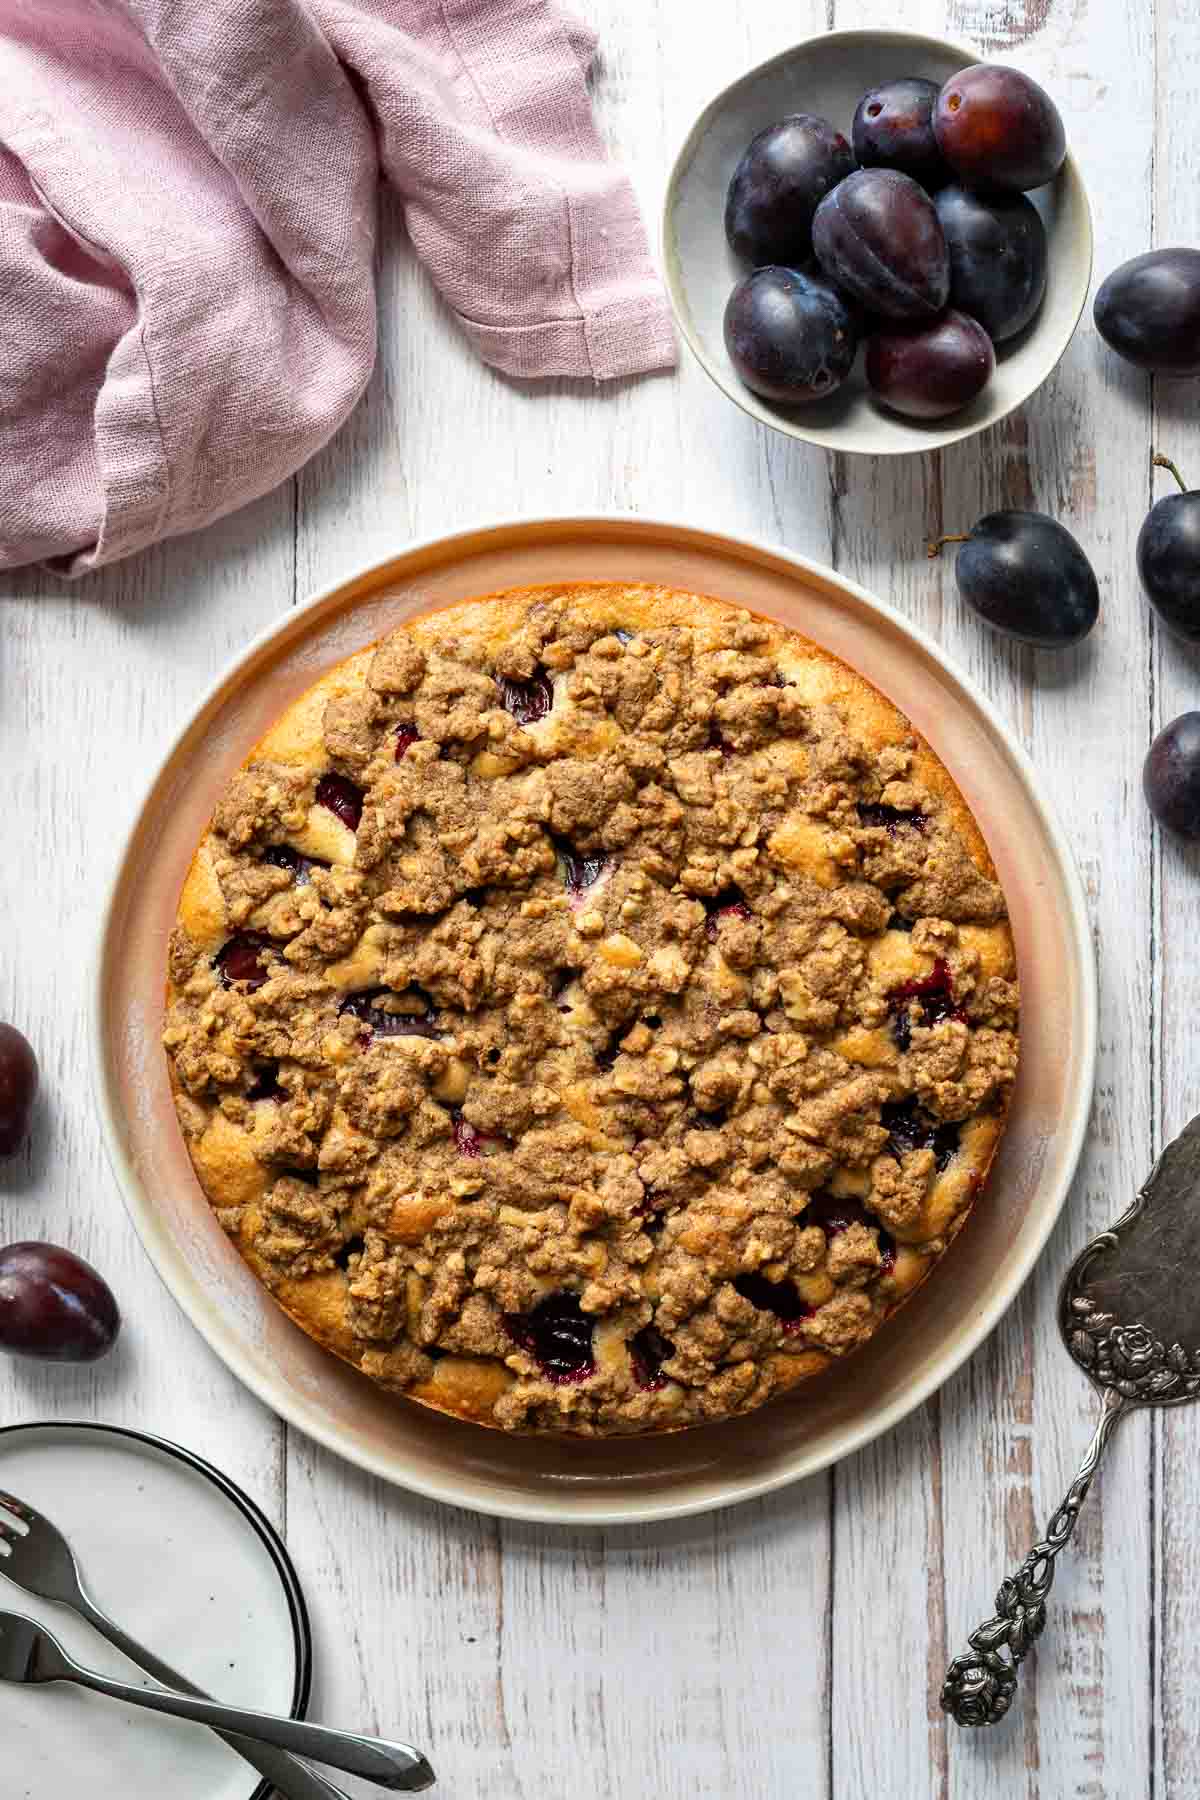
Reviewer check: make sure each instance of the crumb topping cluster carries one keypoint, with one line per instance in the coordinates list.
(605, 1034)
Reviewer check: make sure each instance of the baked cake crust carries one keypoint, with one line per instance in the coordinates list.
(591, 1009)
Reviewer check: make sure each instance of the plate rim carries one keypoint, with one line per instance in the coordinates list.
(946, 433)
(558, 1508)
(252, 1512)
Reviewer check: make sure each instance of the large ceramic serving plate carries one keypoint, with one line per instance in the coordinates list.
(606, 1481)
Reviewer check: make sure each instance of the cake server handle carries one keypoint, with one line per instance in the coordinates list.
(980, 1684)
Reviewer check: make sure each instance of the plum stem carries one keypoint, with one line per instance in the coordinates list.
(952, 537)
(1164, 462)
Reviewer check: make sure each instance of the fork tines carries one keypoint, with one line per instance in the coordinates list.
(20, 1512)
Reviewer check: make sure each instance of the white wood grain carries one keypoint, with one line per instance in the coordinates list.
(793, 1646)
(1012, 1425)
(1084, 1723)
(94, 680)
(1176, 903)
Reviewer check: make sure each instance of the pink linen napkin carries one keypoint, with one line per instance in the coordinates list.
(187, 234)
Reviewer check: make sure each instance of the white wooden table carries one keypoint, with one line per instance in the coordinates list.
(790, 1647)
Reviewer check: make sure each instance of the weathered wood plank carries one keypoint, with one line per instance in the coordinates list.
(674, 1660)
(1016, 1422)
(1176, 917)
(96, 678)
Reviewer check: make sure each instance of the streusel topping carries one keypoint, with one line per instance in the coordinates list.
(600, 1020)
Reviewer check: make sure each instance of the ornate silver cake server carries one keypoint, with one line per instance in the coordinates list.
(1129, 1313)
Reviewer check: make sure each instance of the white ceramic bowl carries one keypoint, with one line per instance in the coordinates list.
(829, 75)
(607, 1481)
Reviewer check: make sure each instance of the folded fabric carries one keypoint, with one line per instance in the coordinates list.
(187, 235)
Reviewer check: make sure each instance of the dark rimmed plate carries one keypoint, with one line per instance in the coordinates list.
(180, 1557)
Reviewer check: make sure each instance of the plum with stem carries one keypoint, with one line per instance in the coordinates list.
(1168, 557)
(1026, 576)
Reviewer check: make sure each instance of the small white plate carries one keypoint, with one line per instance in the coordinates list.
(177, 1555)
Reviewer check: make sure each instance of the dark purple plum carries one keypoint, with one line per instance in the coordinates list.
(783, 175)
(527, 701)
(878, 237)
(18, 1088)
(1168, 557)
(998, 129)
(910, 1127)
(266, 1084)
(790, 336)
(648, 1351)
(878, 817)
(923, 1000)
(1148, 311)
(282, 856)
(471, 1143)
(1171, 776)
(997, 246)
(893, 129)
(240, 959)
(728, 904)
(558, 1335)
(927, 371)
(835, 1213)
(580, 870)
(1026, 576)
(779, 1297)
(384, 1013)
(54, 1305)
(343, 797)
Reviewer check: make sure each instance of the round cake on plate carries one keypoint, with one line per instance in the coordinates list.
(592, 1009)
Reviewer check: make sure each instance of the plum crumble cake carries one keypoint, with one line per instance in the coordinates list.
(591, 1009)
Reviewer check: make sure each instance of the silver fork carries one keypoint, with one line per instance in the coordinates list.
(29, 1654)
(40, 1560)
